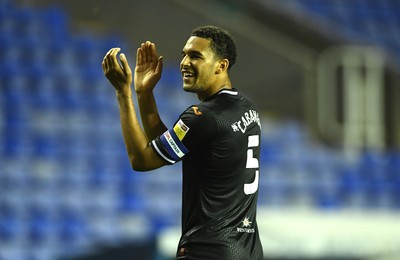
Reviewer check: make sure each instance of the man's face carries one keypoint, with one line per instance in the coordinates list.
(198, 65)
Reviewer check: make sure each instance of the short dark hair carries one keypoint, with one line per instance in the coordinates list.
(222, 43)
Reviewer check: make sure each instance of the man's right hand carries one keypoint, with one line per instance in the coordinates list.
(148, 67)
(119, 75)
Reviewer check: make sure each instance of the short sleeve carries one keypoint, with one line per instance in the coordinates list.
(194, 128)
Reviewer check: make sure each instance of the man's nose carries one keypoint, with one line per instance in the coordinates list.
(185, 61)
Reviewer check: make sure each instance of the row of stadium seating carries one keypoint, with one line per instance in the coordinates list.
(368, 21)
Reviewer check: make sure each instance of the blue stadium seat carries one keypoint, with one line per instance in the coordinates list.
(39, 225)
(72, 226)
(9, 223)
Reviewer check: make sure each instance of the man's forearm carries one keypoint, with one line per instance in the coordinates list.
(134, 138)
(152, 123)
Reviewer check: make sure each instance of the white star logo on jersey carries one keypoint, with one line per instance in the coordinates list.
(246, 222)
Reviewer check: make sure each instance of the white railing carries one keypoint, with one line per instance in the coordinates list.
(351, 104)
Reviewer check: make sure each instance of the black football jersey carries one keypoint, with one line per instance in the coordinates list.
(218, 142)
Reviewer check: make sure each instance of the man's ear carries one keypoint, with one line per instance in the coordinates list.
(222, 66)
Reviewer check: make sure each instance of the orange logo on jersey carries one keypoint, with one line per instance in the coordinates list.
(196, 111)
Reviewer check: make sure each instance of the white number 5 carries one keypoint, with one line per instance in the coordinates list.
(252, 163)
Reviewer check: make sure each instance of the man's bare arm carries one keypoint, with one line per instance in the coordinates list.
(147, 73)
(141, 155)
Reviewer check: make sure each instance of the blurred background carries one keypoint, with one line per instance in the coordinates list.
(324, 74)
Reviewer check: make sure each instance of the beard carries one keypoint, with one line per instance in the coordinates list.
(190, 85)
(189, 88)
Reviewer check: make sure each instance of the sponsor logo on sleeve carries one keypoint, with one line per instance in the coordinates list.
(196, 111)
(180, 129)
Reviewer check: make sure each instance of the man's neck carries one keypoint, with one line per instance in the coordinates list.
(205, 95)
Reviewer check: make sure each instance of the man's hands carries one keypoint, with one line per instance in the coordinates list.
(148, 67)
(147, 74)
(120, 76)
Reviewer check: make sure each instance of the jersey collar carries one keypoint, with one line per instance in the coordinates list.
(228, 91)
(232, 92)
